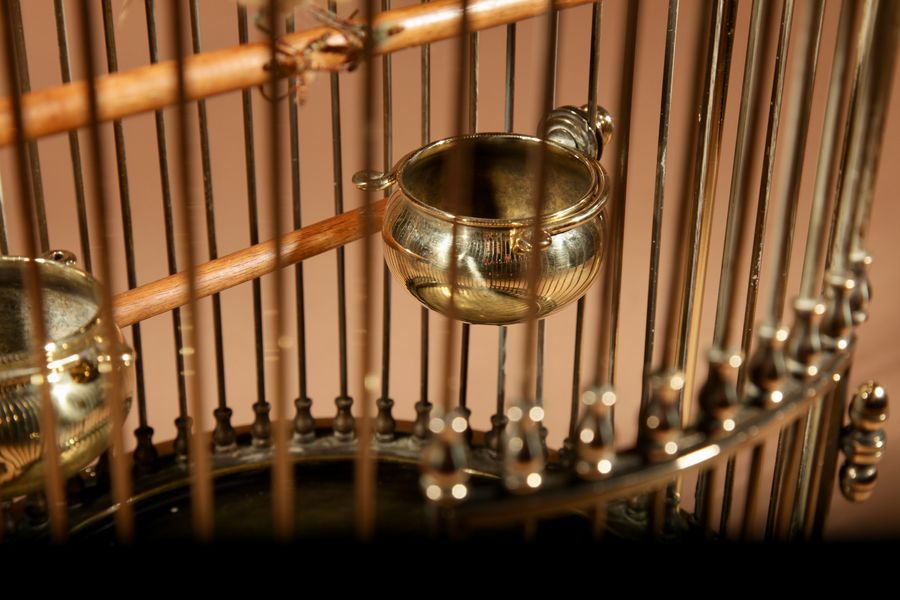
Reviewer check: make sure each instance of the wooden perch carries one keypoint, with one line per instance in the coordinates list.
(152, 87)
(244, 265)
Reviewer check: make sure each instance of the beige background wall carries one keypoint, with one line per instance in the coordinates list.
(877, 353)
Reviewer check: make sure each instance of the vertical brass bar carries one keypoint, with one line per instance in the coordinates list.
(748, 133)
(282, 468)
(345, 402)
(224, 434)
(539, 202)
(662, 147)
(797, 119)
(459, 170)
(510, 95)
(765, 189)
(261, 430)
(34, 157)
(826, 167)
(62, 40)
(120, 476)
(364, 471)
(753, 478)
(706, 164)
(851, 153)
(112, 62)
(31, 279)
(201, 468)
(885, 54)
(145, 433)
(498, 420)
(303, 401)
(612, 281)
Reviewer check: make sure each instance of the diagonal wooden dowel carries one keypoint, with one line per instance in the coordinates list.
(163, 295)
(152, 87)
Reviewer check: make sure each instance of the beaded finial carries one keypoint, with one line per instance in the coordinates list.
(660, 425)
(444, 479)
(523, 452)
(595, 446)
(718, 396)
(862, 441)
(767, 367)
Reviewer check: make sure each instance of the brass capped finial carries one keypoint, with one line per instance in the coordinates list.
(861, 295)
(660, 424)
(523, 452)
(768, 367)
(862, 441)
(595, 441)
(444, 479)
(837, 323)
(804, 343)
(718, 396)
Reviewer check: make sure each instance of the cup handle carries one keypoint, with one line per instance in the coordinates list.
(61, 256)
(373, 181)
(523, 243)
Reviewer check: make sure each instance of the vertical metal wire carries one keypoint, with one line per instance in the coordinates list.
(261, 429)
(798, 111)
(112, 63)
(4, 241)
(345, 402)
(838, 235)
(120, 477)
(224, 434)
(388, 152)
(31, 280)
(182, 422)
(498, 420)
(712, 115)
(509, 102)
(765, 188)
(757, 246)
(548, 88)
(878, 90)
(201, 467)
(662, 147)
(304, 403)
(74, 149)
(576, 374)
(34, 157)
(797, 118)
(282, 469)
(612, 279)
(423, 407)
(748, 135)
(827, 166)
(880, 96)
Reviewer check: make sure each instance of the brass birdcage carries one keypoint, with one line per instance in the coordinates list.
(524, 238)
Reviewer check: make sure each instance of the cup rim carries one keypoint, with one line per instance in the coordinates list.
(592, 201)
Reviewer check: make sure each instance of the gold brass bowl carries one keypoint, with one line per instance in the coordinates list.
(80, 365)
(495, 229)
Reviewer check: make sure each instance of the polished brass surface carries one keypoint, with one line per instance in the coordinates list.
(80, 363)
(494, 237)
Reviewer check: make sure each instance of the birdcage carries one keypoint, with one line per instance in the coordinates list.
(499, 365)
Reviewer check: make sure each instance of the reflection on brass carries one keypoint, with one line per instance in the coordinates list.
(495, 230)
(78, 365)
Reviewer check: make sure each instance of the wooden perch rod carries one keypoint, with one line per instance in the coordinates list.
(64, 107)
(163, 295)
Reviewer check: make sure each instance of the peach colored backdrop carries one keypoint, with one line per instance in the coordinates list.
(877, 354)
